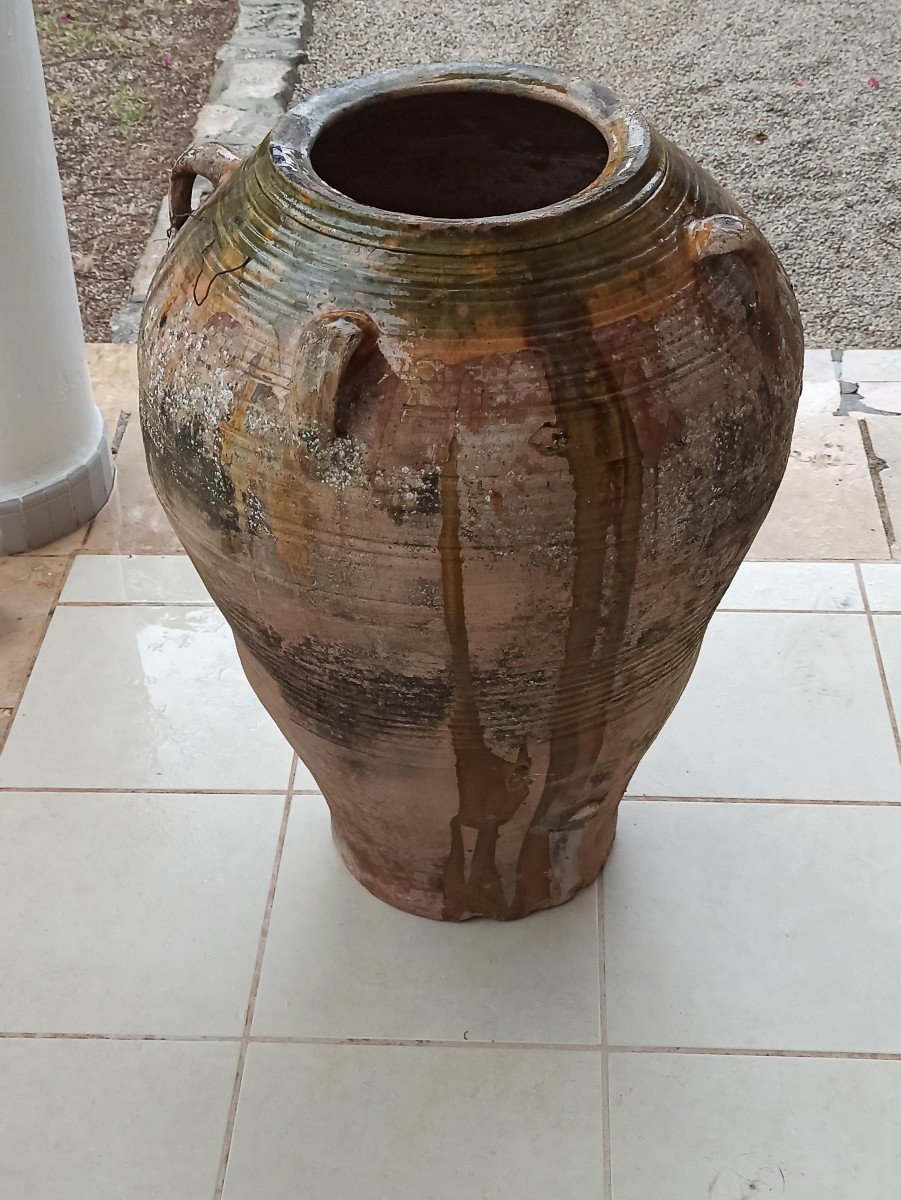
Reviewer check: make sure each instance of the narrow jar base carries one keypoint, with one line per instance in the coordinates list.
(584, 853)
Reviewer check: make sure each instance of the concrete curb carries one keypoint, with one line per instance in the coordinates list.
(254, 81)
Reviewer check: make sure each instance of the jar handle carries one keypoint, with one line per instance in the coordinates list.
(724, 234)
(212, 161)
(327, 345)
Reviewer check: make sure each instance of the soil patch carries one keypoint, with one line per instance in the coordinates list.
(125, 82)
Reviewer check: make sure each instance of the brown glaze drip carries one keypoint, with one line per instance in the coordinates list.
(491, 789)
(606, 469)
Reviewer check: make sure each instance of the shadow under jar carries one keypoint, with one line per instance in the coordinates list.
(466, 393)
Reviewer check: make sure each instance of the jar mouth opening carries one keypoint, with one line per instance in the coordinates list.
(461, 152)
(453, 154)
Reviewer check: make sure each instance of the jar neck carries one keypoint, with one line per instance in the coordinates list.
(634, 161)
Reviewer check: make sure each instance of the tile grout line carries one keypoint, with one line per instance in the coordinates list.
(879, 662)
(723, 608)
(304, 793)
(429, 1043)
(91, 552)
(794, 559)
(254, 988)
(266, 1040)
(792, 612)
(44, 1035)
(137, 604)
(873, 467)
(757, 800)
(751, 1052)
(605, 1055)
(187, 792)
(423, 1043)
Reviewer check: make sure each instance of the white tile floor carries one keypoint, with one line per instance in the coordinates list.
(795, 587)
(97, 1120)
(879, 395)
(417, 1121)
(343, 965)
(782, 706)
(882, 583)
(755, 926)
(133, 579)
(819, 365)
(135, 913)
(882, 365)
(197, 1001)
(143, 697)
(735, 1127)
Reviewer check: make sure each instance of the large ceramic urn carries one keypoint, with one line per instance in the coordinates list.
(466, 392)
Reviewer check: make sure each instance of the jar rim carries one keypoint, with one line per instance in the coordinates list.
(626, 133)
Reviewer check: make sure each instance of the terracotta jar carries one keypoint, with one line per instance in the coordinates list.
(466, 393)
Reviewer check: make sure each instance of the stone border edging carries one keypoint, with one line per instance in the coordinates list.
(253, 84)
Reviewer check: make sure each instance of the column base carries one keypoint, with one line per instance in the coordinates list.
(58, 508)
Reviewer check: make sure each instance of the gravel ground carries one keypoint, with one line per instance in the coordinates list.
(795, 107)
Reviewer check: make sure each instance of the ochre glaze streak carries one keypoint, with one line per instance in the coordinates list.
(491, 789)
(606, 470)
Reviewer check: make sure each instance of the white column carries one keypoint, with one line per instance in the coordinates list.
(55, 469)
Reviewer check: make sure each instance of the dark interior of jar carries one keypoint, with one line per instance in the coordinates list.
(459, 155)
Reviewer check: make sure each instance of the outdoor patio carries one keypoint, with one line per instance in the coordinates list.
(196, 999)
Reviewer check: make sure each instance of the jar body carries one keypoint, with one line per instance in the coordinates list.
(468, 513)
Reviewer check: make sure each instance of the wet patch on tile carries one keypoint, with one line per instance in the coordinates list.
(133, 579)
(142, 697)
